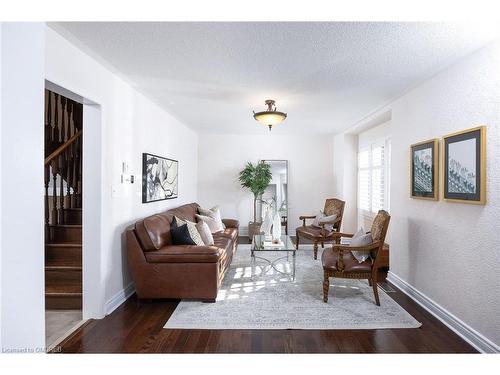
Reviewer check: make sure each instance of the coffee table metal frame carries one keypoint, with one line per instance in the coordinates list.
(258, 247)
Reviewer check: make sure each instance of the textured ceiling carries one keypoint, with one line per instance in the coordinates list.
(326, 76)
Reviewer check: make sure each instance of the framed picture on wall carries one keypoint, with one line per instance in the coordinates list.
(160, 178)
(464, 166)
(424, 169)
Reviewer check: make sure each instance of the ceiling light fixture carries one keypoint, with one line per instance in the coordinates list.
(271, 116)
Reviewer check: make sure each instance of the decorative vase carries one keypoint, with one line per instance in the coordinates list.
(276, 226)
(267, 224)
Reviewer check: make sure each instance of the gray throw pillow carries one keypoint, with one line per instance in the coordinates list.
(361, 239)
(205, 233)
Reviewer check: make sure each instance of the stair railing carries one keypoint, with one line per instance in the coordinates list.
(63, 165)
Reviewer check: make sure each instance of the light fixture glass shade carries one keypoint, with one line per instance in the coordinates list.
(271, 116)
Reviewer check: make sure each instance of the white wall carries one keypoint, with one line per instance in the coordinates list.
(450, 251)
(377, 133)
(131, 124)
(22, 302)
(345, 161)
(221, 157)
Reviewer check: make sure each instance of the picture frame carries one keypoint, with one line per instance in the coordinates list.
(464, 166)
(424, 170)
(160, 178)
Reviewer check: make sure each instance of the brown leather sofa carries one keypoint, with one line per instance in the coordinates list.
(162, 270)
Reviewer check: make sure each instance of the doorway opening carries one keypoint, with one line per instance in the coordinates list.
(63, 197)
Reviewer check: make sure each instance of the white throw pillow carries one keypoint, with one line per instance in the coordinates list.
(320, 215)
(205, 233)
(193, 231)
(213, 224)
(214, 213)
(361, 238)
(327, 219)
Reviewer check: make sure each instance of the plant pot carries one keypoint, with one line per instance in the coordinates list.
(253, 229)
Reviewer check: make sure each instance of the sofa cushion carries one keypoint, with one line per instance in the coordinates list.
(185, 254)
(231, 233)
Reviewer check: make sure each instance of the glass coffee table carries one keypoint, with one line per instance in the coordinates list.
(259, 247)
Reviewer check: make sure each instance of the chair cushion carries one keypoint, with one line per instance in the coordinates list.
(330, 259)
(312, 232)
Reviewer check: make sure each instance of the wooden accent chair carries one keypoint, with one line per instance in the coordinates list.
(339, 261)
(321, 235)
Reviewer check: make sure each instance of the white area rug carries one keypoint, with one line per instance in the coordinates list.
(274, 301)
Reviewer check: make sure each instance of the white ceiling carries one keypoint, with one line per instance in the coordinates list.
(326, 76)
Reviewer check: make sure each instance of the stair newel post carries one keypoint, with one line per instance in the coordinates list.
(68, 175)
(55, 219)
(46, 183)
(63, 120)
(60, 159)
(71, 120)
(51, 117)
(57, 122)
(79, 150)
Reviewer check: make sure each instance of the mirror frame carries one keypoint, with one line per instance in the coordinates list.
(287, 179)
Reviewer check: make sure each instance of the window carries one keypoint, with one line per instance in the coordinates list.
(373, 179)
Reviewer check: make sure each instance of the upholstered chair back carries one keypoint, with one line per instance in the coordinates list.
(380, 225)
(334, 206)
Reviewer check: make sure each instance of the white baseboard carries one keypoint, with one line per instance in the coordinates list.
(477, 340)
(114, 302)
(243, 231)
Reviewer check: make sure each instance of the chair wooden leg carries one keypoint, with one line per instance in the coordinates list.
(375, 291)
(322, 245)
(326, 286)
(370, 282)
(296, 241)
(315, 247)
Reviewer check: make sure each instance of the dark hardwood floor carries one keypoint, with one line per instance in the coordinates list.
(138, 328)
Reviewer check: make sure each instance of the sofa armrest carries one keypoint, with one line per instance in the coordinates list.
(231, 223)
(185, 254)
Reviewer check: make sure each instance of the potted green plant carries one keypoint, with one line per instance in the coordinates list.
(255, 178)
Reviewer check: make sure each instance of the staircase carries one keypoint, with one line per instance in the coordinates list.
(63, 203)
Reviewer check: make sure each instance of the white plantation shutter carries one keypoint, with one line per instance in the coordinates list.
(373, 180)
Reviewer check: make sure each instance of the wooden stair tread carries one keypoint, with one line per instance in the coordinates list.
(63, 290)
(63, 244)
(65, 225)
(63, 268)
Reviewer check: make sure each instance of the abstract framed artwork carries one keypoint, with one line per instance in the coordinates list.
(424, 170)
(464, 166)
(160, 178)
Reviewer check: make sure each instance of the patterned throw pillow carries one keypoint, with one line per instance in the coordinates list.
(193, 232)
